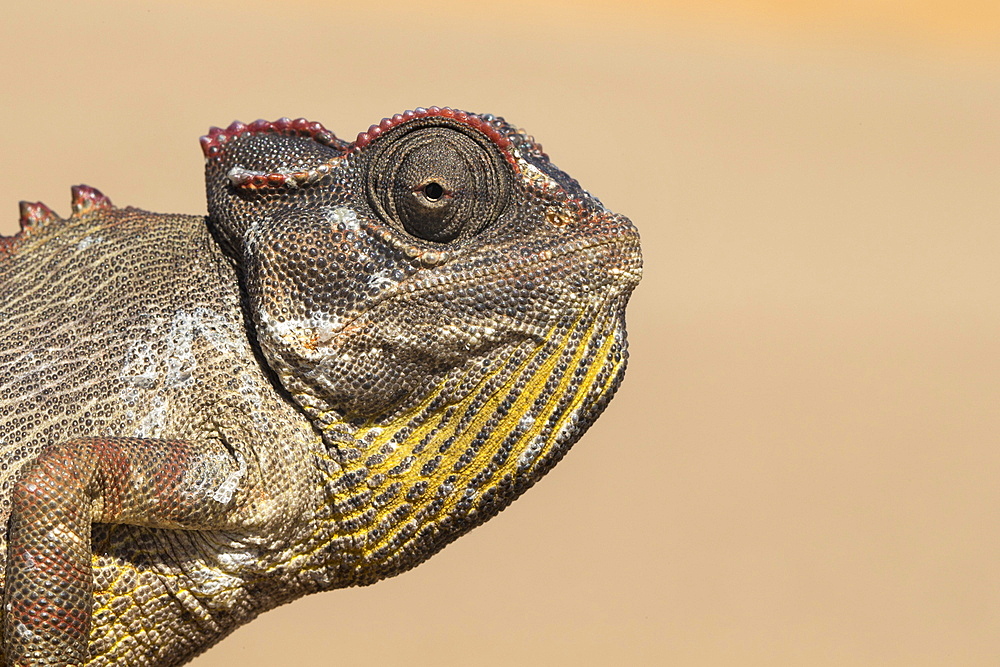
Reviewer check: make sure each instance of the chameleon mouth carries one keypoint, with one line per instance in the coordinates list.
(318, 339)
(365, 339)
(626, 272)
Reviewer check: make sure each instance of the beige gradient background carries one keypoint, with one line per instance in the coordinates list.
(802, 465)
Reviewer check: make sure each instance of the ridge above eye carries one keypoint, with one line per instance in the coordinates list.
(437, 183)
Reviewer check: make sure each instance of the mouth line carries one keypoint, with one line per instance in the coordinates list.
(438, 282)
(425, 284)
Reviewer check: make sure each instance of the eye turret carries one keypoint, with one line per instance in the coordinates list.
(438, 183)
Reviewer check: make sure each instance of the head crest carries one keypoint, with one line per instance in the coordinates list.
(472, 120)
(212, 144)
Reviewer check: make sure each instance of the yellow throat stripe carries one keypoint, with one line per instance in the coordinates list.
(461, 460)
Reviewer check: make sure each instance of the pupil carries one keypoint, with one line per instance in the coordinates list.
(433, 191)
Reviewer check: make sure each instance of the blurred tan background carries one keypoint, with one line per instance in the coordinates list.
(802, 466)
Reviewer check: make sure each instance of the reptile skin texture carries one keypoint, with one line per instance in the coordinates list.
(365, 350)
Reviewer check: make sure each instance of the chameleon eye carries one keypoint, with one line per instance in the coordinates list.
(433, 191)
(438, 183)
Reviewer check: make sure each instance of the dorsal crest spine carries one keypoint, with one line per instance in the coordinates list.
(87, 199)
(35, 215)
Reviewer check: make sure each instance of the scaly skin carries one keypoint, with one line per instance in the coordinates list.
(363, 352)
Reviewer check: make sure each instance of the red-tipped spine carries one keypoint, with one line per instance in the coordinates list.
(35, 215)
(87, 199)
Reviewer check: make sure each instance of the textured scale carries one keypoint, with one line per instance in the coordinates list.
(363, 352)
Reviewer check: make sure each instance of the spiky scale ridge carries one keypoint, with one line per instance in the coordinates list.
(472, 120)
(87, 199)
(213, 143)
(35, 215)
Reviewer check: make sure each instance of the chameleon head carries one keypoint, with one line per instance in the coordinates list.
(446, 304)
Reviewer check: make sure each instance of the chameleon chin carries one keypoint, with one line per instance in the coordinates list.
(364, 351)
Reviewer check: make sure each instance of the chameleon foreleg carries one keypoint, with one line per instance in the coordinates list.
(48, 594)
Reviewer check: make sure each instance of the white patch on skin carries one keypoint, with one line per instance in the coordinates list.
(143, 367)
(567, 430)
(253, 231)
(538, 178)
(215, 329)
(60, 533)
(225, 492)
(87, 242)
(184, 330)
(140, 365)
(254, 402)
(169, 362)
(293, 332)
(381, 279)
(237, 558)
(237, 175)
(31, 564)
(325, 330)
(201, 479)
(152, 424)
(233, 561)
(343, 218)
(209, 582)
(531, 453)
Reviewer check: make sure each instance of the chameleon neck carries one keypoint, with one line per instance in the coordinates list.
(400, 491)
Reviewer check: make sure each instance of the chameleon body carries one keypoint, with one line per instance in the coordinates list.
(365, 350)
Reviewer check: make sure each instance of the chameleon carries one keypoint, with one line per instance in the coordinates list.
(362, 352)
